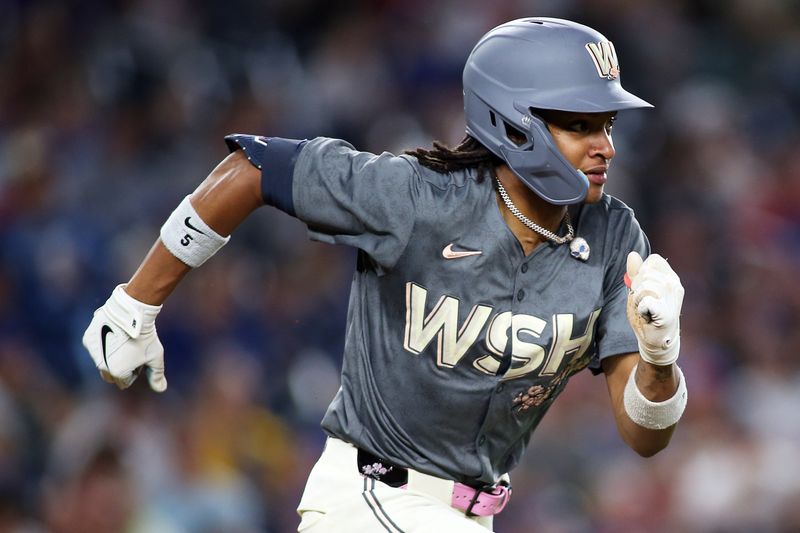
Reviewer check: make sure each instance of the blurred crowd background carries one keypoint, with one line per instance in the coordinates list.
(111, 111)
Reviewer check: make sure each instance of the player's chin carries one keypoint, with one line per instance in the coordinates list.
(594, 195)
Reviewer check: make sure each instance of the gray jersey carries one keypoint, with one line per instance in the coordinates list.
(456, 343)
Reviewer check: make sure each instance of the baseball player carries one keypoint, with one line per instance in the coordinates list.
(487, 275)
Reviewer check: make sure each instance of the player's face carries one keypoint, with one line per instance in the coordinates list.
(585, 141)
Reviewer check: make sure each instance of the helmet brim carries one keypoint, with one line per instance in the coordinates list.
(584, 100)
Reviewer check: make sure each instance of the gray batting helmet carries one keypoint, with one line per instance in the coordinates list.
(543, 63)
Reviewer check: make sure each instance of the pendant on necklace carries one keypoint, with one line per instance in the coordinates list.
(579, 248)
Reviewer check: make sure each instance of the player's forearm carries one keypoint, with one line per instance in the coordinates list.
(657, 384)
(225, 198)
(157, 276)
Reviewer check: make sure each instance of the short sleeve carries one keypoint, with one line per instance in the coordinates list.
(356, 198)
(275, 157)
(614, 335)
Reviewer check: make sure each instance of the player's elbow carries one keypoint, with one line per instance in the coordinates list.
(648, 451)
(648, 442)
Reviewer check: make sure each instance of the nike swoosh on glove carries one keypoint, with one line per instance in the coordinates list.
(655, 298)
(122, 340)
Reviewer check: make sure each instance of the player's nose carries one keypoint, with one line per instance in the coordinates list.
(602, 145)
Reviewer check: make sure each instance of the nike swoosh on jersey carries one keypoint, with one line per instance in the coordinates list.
(449, 253)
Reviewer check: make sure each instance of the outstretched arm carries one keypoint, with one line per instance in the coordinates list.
(122, 338)
(225, 198)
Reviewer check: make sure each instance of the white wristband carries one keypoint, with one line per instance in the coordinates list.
(654, 415)
(188, 237)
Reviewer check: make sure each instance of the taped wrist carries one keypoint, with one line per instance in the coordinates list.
(654, 415)
(188, 237)
(132, 316)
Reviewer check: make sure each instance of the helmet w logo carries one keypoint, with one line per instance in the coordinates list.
(605, 59)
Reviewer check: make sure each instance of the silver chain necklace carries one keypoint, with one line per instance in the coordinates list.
(533, 225)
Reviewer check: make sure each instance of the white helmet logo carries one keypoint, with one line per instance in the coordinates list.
(605, 59)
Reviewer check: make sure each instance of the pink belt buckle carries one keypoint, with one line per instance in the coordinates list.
(476, 502)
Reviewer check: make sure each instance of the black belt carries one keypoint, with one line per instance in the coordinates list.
(381, 470)
(494, 496)
(393, 475)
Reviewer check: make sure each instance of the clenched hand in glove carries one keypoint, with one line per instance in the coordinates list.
(122, 341)
(654, 306)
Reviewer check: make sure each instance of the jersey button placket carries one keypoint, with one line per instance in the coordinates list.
(524, 267)
(520, 295)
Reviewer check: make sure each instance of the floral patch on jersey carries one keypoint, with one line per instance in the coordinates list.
(538, 394)
(533, 397)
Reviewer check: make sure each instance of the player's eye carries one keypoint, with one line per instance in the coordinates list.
(610, 124)
(578, 126)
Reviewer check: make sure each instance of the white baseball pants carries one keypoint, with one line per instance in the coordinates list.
(338, 499)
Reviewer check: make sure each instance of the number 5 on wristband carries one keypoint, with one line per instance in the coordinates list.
(188, 237)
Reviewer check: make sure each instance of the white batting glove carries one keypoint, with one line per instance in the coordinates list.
(122, 340)
(654, 307)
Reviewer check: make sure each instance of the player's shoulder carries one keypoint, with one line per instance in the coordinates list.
(326, 153)
(610, 204)
(615, 205)
(429, 185)
(608, 209)
(607, 218)
(456, 181)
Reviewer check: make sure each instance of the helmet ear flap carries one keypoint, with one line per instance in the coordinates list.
(543, 168)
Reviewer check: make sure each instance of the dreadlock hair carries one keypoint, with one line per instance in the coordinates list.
(468, 154)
